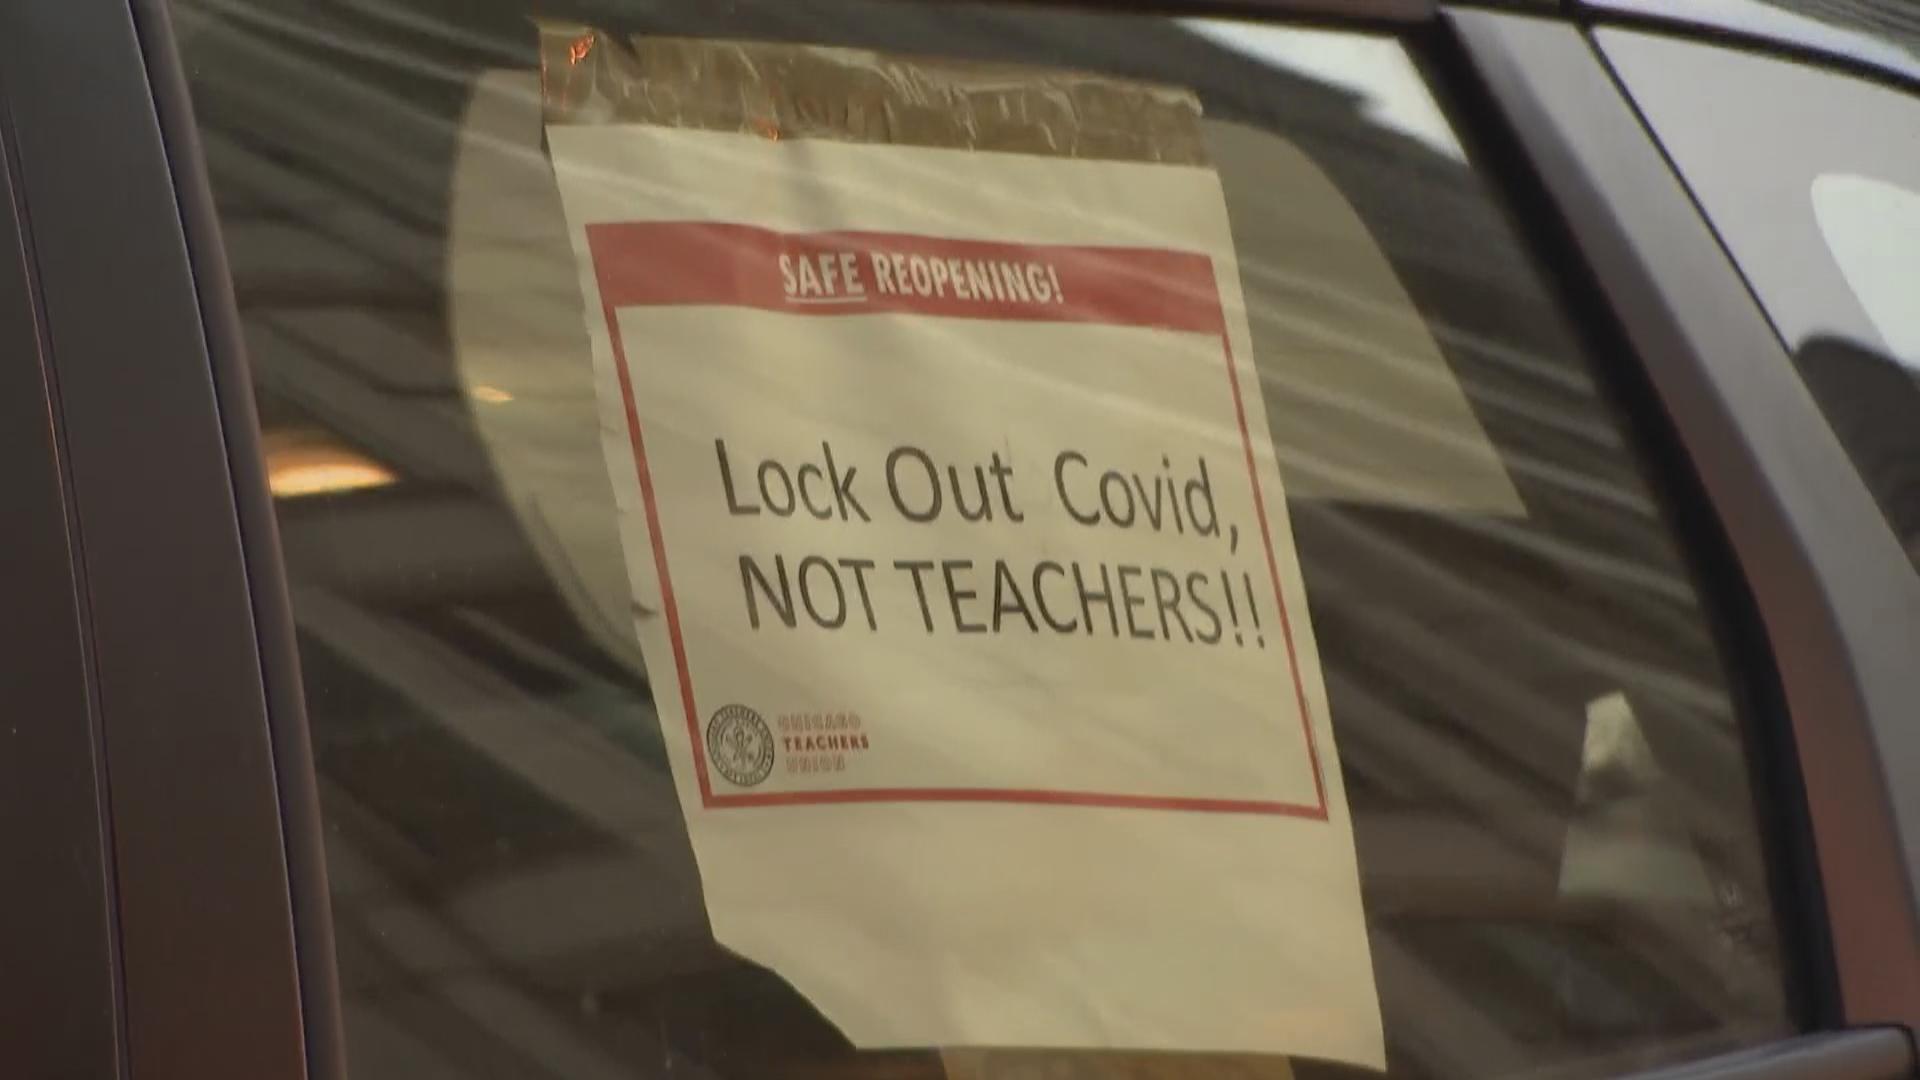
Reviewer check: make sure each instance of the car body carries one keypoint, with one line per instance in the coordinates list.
(230, 225)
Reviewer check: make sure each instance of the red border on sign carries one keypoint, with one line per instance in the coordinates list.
(639, 264)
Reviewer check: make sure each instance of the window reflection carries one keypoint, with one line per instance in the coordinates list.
(308, 462)
(514, 894)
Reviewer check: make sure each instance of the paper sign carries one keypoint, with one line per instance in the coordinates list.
(967, 591)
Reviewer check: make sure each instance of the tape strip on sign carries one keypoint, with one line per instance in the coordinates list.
(967, 592)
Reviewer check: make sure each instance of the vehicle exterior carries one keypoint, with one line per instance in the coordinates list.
(325, 737)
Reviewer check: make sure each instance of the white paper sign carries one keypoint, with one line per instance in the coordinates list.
(967, 591)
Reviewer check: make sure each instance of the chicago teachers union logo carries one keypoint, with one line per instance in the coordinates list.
(740, 745)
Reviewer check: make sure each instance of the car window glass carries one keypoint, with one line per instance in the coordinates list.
(1881, 33)
(1871, 24)
(1559, 859)
(1873, 230)
(1819, 218)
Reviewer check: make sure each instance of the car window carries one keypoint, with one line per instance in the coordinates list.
(1553, 857)
(1826, 233)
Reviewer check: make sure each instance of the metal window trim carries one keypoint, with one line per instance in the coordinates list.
(1375, 11)
(1838, 599)
(1864, 1054)
(1755, 26)
(292, 744)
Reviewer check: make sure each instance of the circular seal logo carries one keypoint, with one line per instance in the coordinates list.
(740, 745)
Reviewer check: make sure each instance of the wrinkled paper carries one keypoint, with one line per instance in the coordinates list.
(959, 553)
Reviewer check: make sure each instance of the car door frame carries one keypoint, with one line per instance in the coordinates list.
(205, 944)
(1836, 595)
(216, 844)
(58, 949)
